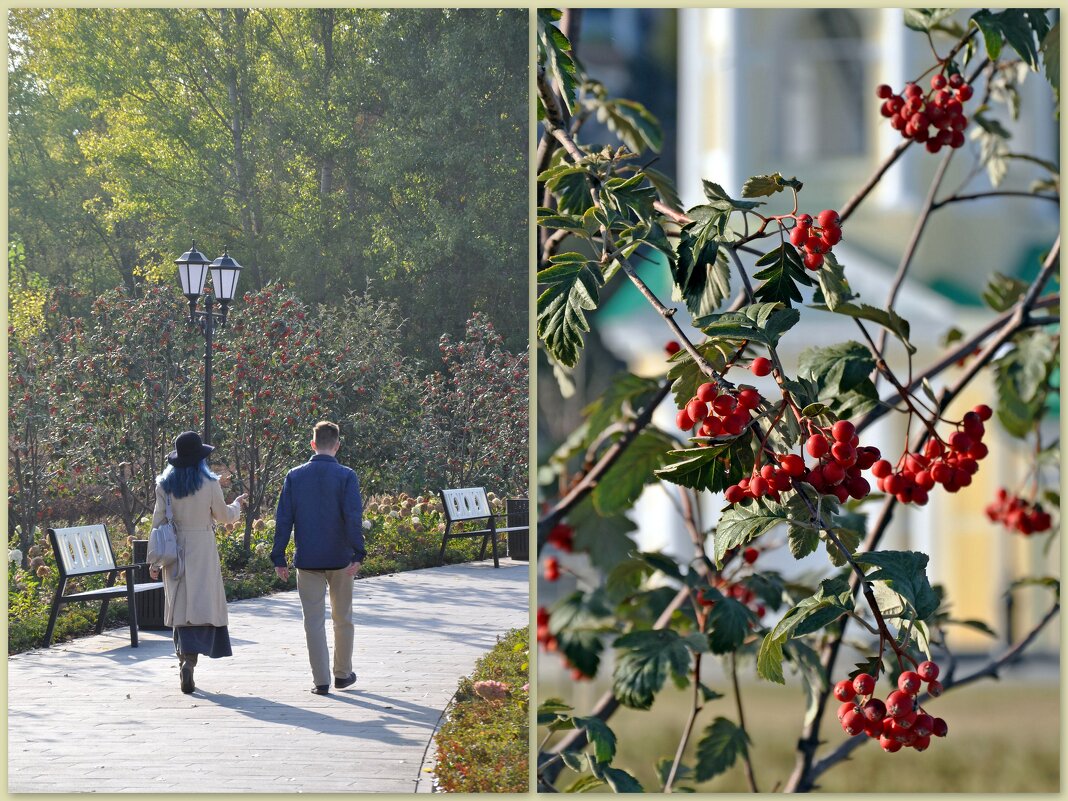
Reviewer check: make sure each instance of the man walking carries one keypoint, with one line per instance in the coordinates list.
(320, 504)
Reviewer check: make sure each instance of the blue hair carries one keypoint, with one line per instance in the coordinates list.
(182, 481)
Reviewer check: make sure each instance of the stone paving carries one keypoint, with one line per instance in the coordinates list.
(97, 715)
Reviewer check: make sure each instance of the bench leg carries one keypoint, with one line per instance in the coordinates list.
(131, 602)
(444, 541)
(104, 605)
(56, 603)
(482, 551)
(493, 539)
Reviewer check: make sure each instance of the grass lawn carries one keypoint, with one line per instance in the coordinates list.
(1003, 738)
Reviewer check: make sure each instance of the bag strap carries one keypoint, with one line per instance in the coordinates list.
(170, 516)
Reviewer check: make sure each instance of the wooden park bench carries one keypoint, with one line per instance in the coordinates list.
(469, 504)
(86, 551)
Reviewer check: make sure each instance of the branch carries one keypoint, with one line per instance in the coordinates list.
(984, 195)
(747, 763)
(687, 731)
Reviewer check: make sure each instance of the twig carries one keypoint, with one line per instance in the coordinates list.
(983, 195)
(747, 760)
(695, 710)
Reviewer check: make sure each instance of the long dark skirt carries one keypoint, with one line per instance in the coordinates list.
(212, 641)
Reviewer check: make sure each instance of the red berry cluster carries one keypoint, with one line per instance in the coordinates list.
(737, 591)
(1016, 513)
(562, 537)
(545, 638)
(841, 460)
(897, 722)
(718, 412)
(815, 240)
(950, 463)
(915, 113)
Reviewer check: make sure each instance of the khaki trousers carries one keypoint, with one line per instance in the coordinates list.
(312, 586)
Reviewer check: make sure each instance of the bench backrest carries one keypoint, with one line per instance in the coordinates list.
(465, 504)
(82, 549)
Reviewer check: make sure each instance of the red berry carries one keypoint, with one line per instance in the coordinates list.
(960, 442)
(889, 745)
(875, 710)
(812, 261)
(804, 220)
(760, 366)
(749, 398)
(956, 80)
(828, 218)
(723, 405)
(984, 411)
(854, 723)
(672, 348)
(939, 728)
(552, 569)
(899, 704)
(831, 236)
(909, 682)
(758, 487)
(843, 431)
(863, 684)
(817, 446)
(833, 473)
(750, 555)
(881, 469)
(844, 454)
(847, 706)
(683, 421)
(707, 392)
(793, 464)
(912, 90)
(798, 236)
(883, 91)
(921, 743)
(814, 244)
(696, 410)
(858, 487)
(922, 726)
(938, 81)
(844, 691)
(964, 93)
(934, 687)
(735, 494)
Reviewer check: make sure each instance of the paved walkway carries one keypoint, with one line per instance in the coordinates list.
(98, 715)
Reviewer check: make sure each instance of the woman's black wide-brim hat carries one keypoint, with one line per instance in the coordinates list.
(189, 450)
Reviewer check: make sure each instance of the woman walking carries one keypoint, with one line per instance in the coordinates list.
(195, 598)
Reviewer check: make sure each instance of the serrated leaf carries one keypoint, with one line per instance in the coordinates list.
(769, 660)
(803, 540)
(573, 760)
(718, 197)
(887, 318)
(762, 185)
(1051, 61)
(834, 289)
(782, 272)
(549, 218)
(718, 749)
(758, 322)
(603, 537)
(905, 572)
(813, 678)
(625, 579)
(976, 625)
(572, 289)
(630, 121)
(602, 738)
(623, 483)
(836, 368)
(644, 662)
(663, 770)
(830, 601)
(578, 621)
(710, 467)
(742, 523)
(621, 782)
(662, 563)
(701, 274)
(625, 390)
(554, 55)
(993, 149)
(728, 623)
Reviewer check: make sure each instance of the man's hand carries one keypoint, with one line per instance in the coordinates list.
(242, 499)
(282, 573)
(153, 573)
(353, 569)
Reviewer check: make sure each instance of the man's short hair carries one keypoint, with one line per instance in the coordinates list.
(326, 434)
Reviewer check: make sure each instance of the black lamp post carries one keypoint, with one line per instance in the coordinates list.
(193, 269)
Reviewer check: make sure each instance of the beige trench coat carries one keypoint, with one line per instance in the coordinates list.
(198, 597)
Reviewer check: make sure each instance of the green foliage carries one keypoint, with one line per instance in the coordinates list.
(554, 53)
(709, 467)
(1023, 29)
(759, 322)
(483, 744)
(626, 479)
(904, 572)
(572, 289)
(646, 660)
(782, 273)
(742, 523)
(1023, 378)
(840, 373)
(827, 604)
(719, 747)
(700, 271)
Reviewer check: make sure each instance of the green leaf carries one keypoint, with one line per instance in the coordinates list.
(763, 185)
(701, 273)
(572, 289)
(629, 194)
(664, 564)
(829, 602)
(887, 318)
(1038, 581)
(742, 523)
(850, 528)
(586, 783)
(718, 198)
(603, 537)
(574, 760)
(976, 625)
(665, 188)
(549, 218)
(924, 19)
(905, 572)
(814, 680)
(988, 27)
(578, 621)
(624, 397)
(769, 660)
(710, 467)
(759, 322)
(834, 289)
(620, 487)
(729, 624)
(782, 272)
(551, 709)
(837, 368)
(554, 55)
(645, 660)
(602, 738)
(663, 770)
(1051, 61)
(993, 149)
(625, 579)
(1023, 378)
(620, 781)
(803, 540)
(719, 748)
(630, 121)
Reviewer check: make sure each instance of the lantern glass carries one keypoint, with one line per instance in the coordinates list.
(192, 272)
(224, 274)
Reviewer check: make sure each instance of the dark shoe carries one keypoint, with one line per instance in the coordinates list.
(186, 674)
(349, 680)
(321, 689)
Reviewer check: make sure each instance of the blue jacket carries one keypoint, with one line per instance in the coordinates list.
(321, 499)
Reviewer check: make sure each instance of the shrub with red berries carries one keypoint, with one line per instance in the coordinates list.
(815, 239)
(1018, 514)
(899, 721)
(935, 118)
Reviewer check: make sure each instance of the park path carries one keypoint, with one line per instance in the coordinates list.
(97, 715)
